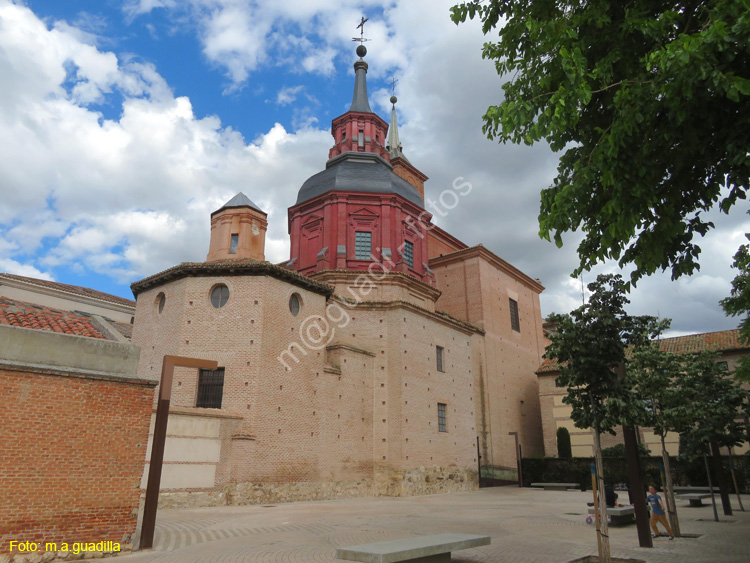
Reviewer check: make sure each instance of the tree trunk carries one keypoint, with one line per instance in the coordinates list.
(638, 498)
(603, 525)
(674, 521)
(721, 479)
(734, 479)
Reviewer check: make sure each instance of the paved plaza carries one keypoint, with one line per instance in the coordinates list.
(526, 525)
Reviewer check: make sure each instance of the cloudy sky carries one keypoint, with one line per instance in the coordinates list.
(124, 123)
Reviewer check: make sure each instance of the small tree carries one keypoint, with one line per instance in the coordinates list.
(712, 400)
(564, 450)
(589, 345)
(738, 304)
(654, 374)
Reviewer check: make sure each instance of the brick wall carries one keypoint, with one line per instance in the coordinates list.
(73, 455)
(476, 287)
(356, 415)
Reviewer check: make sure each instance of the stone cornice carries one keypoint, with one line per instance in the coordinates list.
(244, 267)
(481, 251)
(440, 316)
(399, 279)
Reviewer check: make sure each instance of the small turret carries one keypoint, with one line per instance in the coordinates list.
(238, 230)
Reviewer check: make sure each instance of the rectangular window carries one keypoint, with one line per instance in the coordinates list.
(361, 139)
(233, 247)
(409, 254)
(362, 245)
(724, 365)
(514, 322)
(439, 351)
(210, 388)
(442, 426)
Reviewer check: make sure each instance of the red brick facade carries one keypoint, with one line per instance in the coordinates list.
(73, 453)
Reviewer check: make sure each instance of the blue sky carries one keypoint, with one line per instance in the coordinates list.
(124, 123)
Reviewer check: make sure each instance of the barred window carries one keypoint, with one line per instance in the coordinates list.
(514, 322)
(210, 388)
(442, 426)
(362, 245)
(439, 354)
(409, 253)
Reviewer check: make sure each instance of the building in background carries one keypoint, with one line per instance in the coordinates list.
(556, 414)
(76, 421)
(381, 358)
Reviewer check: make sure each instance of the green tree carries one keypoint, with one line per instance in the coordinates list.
(738, 304)
(564, 450)
(713, 401)
(649, 103)
(654, 374)
(589, 344)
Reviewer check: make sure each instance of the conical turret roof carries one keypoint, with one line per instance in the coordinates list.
(240, 200)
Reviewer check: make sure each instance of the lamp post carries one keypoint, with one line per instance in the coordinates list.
(518, 458)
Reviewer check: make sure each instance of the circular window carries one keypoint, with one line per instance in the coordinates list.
(294, 304)
(219, 296)
(162, 300)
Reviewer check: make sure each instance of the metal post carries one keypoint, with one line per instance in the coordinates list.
(518, 459)
(160, 438)
(479, 463)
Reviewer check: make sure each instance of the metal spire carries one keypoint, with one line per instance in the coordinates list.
(394, 143)
(359, 100)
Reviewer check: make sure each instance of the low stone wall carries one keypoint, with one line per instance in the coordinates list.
(413, 482)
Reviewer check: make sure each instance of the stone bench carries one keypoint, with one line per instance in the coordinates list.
(618, 515)
(686, 489)
(422, 549)
(557, 486)
(696, 499)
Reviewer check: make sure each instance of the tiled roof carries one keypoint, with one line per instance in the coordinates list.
(74, 289)
(720, 341)
(126, 329)
(230, 267)
(27, 315)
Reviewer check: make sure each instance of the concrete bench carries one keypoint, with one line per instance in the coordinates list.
(557, 486)
(696, 499)
(422, 549)
(618, 515)
(685, 489)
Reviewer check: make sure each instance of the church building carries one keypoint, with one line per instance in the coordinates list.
(385, 357)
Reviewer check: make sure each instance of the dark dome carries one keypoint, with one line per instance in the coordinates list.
(358, 172)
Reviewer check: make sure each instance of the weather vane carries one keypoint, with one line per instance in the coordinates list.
(393, 85)
(361, 39)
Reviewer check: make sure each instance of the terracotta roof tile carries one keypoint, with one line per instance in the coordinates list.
(28, 315)
(74, 289)
(720, 341)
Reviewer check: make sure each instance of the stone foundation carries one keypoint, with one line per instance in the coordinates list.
(413, 482)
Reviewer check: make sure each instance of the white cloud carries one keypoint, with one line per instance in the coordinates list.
(288, 95)
(122, 197)
(130, 196)
(12, 267)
